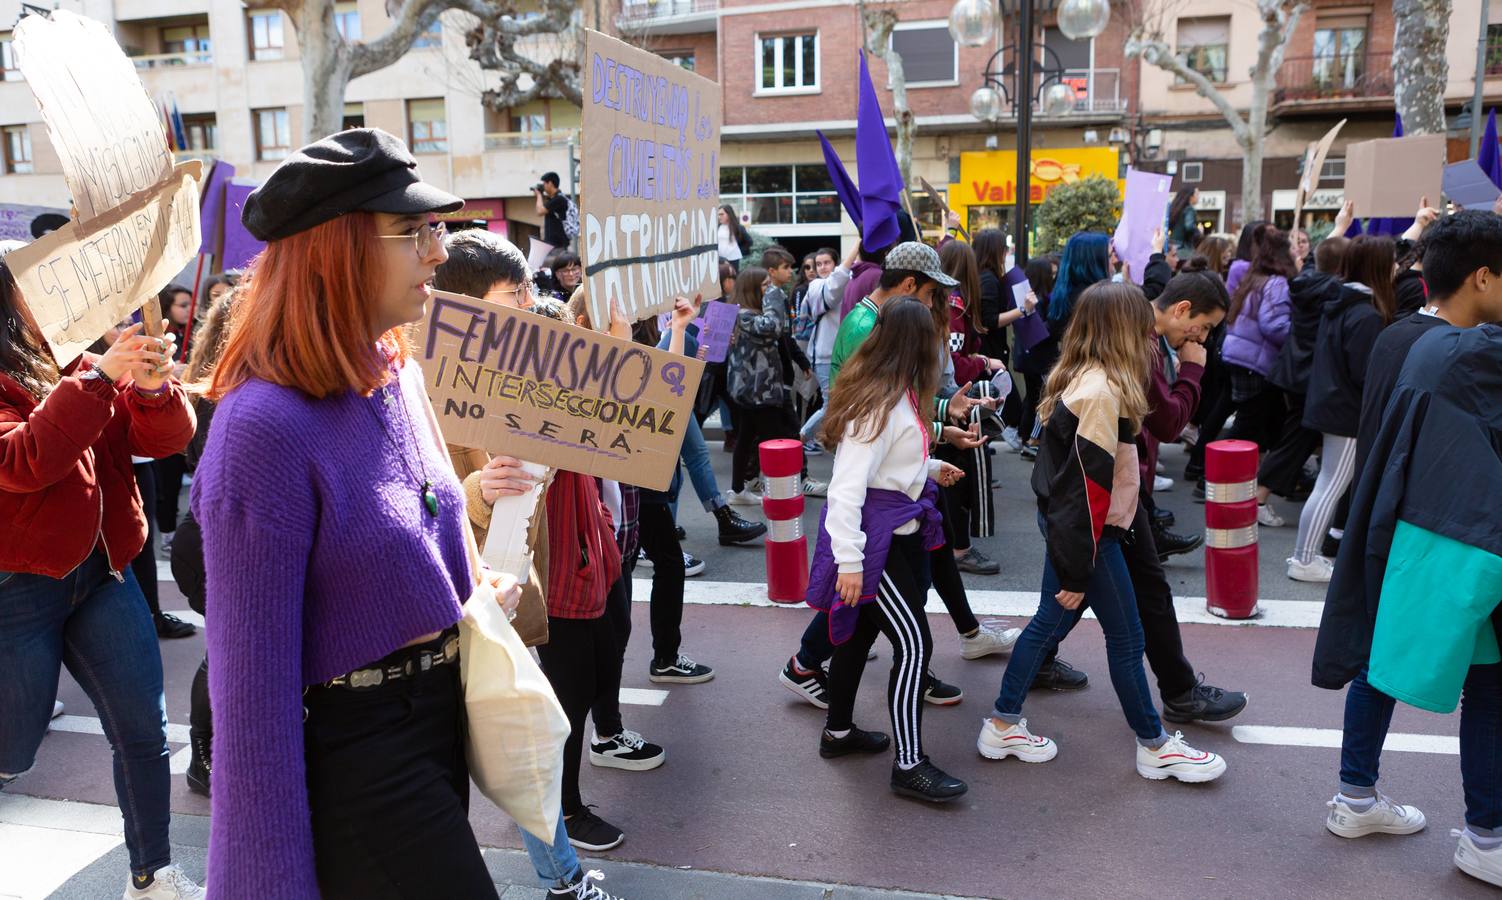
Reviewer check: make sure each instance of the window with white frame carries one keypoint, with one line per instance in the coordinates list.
(781, 195)
(1205, 46)
(347, 20)
(9, 70)
(930, 57)
(17, 149)
(787, 63)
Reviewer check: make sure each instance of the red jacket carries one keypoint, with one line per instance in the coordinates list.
(65, 473)
(583, 559)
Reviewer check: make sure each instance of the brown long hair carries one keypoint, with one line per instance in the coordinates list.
(1108, 330)
(959, 262)
(1272, 258)
(901, 353)
(1213, 248)
(24, 354)
(209, 342)
(1369, 260)
(748, 287)
(304, 321)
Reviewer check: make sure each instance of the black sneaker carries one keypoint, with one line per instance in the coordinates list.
(1028, 452)
(1204, 703)
(1170, 544)
(811, 686)
(857, 741)
(627, 750)
(736, 529)
(682, 535)
(692, 565)
(926, 781)
(680, 671)
(977, 563)
(584, 888)
(170, 626)
(1060, 676)
(940, 694)
(588, 831)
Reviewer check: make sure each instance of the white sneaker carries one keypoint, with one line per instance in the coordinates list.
(1383, 817)
(1268, 517)
(988, 640)
(995, 743)
(1176, 759)
(1012, 439)
(169, 883)
(1315, 571)
(57, 708)
(743, 498)
(813, 487)
(1161, 469)
(1162, 483)
(756, 486)
(1475, 862)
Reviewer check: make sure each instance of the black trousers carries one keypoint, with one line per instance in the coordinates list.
(169, 487)
(389, 790)
(583, 663)
(1260, 418)
(1164, 645)
(897, 612)
(144, 565)
(607, 708)
(1283, 465)
(1034, 386)
(754, 424)
(659, 540)
(969, 507)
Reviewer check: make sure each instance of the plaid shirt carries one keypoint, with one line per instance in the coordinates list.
(628, 530)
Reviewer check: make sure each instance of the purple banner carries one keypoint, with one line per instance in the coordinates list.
(239, 246)
(15, 220)
(211, 207)
(1031, 329)
(1144, 210)
(714, 334)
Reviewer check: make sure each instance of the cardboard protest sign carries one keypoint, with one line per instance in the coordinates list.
(939, 201)
(1469, 187)
(519, 383)
(1144, 210)
(1314, 161)
(651, 181)
(104, 127)
(80, 280)
(1387, 177)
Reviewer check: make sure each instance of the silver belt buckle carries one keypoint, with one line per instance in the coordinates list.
(363, 678)
(451, 649)
(425, 662)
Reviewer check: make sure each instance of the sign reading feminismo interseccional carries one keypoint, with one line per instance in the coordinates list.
(650, 181)
(135, 222)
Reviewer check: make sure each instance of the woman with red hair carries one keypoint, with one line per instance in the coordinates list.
(334, 545)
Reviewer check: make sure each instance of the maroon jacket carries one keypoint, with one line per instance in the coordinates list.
(1169, 409)
(964, 344)
(66, 481)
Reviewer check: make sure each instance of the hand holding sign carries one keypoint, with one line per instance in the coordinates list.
(146, 359)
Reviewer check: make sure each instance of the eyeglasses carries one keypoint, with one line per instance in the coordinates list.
(422, 238)
(520, 296)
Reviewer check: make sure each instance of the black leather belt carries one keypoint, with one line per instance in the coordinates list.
(403, 664)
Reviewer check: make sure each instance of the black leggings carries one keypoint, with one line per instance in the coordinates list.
(583, 663)
(897, 612)
(169, 487)
(659, 540)
(606, 708)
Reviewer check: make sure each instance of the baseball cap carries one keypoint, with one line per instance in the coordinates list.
(916, 256)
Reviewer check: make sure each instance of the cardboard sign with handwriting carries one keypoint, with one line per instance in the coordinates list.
(81, 279)
(525, 385)
(650, 175)
(105, 129)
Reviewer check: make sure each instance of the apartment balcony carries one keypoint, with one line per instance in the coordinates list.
(1098, 97)
(668, 16)
(1321, 84)
(186, 77)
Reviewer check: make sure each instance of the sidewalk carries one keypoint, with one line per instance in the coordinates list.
(73, 851)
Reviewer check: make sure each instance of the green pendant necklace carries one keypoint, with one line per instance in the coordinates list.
(392, 401)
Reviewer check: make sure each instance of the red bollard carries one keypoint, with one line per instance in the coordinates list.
(1231, 529)
(782, 503)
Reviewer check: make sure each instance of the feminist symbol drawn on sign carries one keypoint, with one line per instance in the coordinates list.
(673, 374)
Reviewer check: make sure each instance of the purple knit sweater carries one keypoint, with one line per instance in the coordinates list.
(320, 558)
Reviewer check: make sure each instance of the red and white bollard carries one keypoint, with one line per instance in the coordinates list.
(782, 503)
(1231, 529)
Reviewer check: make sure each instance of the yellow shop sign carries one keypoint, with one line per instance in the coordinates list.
(990, 178)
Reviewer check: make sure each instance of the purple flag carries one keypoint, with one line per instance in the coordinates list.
(876, 164)
(239, 246)
(844, 188)
(1488, 155)
(211, 207)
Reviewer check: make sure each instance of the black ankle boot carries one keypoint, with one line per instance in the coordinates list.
(737, 530)
(198, 766)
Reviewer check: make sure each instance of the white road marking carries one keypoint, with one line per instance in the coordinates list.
(176, 734)
(43, 843)
(643, 696)
(1330, 737)
(178, 763)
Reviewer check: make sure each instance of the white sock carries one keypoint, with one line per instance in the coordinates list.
(837, 735)
(907, 767)
(1360, 804)
(1484, 842)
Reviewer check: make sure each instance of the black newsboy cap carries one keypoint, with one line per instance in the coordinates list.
(357, 169)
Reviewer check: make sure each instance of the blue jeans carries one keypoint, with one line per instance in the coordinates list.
(1110, 594)
(557, 865)
(810, 430)
(100, 628)
(695, 456)
(1368, 715)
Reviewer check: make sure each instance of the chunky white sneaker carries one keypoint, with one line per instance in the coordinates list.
(1176, 759)
(988, 640)
(57, 708)
(168, 883)
(745, 497)
(1315, 571)
(1383, 817)
(996, 743)
(1162, 482)
(813, 487)
(1475, 862)
(1268, 517)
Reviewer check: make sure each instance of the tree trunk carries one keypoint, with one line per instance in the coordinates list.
(1251, 181)
(326, 67)
(1420, 70)
(907, 123)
